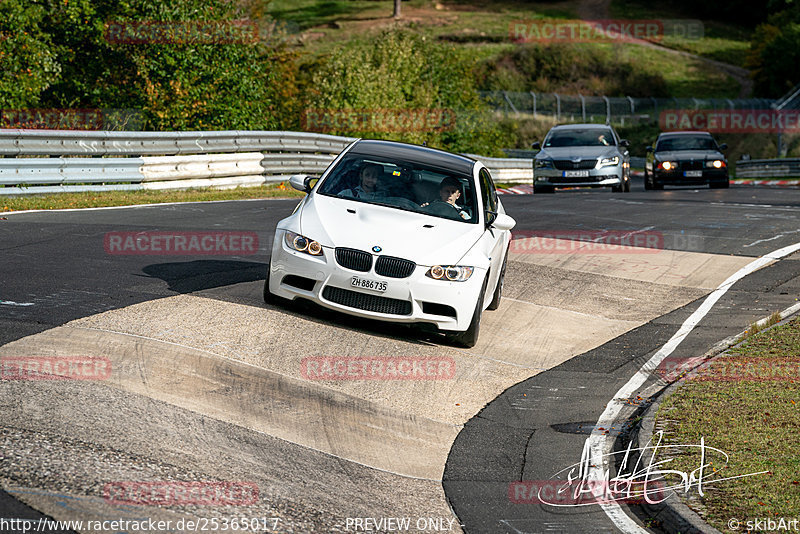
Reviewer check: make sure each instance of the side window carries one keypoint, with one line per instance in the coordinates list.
(488, 191)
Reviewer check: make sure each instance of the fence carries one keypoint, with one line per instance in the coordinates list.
(607, 109)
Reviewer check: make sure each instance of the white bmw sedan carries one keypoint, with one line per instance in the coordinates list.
(399, 233)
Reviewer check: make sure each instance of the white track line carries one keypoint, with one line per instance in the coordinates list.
(599, 443)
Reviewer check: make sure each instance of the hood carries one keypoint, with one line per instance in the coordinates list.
(683, 155)
(582, 152)
(424, 239)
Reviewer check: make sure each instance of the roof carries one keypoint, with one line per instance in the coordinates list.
(586, 126)
(431, 157)
(687, 132)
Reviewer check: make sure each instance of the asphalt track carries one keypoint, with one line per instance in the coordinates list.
(206, 383)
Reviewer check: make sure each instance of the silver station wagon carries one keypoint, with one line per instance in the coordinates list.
(581, 155)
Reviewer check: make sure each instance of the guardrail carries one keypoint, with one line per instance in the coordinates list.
(768, 168)
(73, 161)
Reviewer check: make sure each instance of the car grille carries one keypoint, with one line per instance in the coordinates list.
(567, 165)
(394, 267)
(364, 301)
(691, 165)
(357, 260)
(576, 180)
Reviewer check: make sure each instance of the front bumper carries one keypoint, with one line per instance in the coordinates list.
(602, 177)
(415, 299)
(679, 177)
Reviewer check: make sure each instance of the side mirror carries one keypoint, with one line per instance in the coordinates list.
(301, 182)
(649, 149)
(723, 146)
(503, 222)
(536, 145)
(624, 142)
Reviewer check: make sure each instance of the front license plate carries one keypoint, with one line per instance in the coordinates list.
(693, 174)
(372, 285)
(576, 174)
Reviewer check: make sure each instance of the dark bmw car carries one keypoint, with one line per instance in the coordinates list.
(686, 158)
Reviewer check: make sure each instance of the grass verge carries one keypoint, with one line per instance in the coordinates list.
(125, 198)
(754, 419)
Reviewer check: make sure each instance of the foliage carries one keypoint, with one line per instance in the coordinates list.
(396, 75)
(177, 83)
(568, 68)
(775, 53)
(27, 63)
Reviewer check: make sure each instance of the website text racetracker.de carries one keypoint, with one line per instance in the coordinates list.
(201, 524)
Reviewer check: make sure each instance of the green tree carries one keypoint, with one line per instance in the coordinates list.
(28, 64)
(775, 53)
(187, 79)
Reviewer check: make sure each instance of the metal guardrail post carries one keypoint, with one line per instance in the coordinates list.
(633, 108)
(558, 107)
(511, 105)
(608, 109)
(534, 104)
(583, 108)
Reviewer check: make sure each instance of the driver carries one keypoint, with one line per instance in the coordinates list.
(449, 193)
(368, 185)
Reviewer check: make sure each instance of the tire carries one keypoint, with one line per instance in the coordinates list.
(469, 337)
(617, 189)
(657, 186)
(543, 190)
(498, 290)
(269, 298)
(647, 185)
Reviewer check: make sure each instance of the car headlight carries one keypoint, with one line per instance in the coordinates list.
(667, 165)
(716, 164)
(450, 273)
(301, 243)
(544, 164)
(609, 162)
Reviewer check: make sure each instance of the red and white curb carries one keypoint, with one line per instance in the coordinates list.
(779, 183)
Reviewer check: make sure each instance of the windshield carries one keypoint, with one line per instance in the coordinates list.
(592, 137)
(686, 142)
(403, 185)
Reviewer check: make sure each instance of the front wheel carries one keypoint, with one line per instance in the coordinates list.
(498, 291)
(469, 337)
(543, 190)
(269, 298)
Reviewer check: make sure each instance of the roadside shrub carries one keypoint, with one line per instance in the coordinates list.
(402, 73)
(568, 68)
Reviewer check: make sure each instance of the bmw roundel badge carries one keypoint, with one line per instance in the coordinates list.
(376, 249)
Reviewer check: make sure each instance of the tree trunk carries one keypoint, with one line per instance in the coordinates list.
(396, 13)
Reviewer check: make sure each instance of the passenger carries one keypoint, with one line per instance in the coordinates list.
(368, 186)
